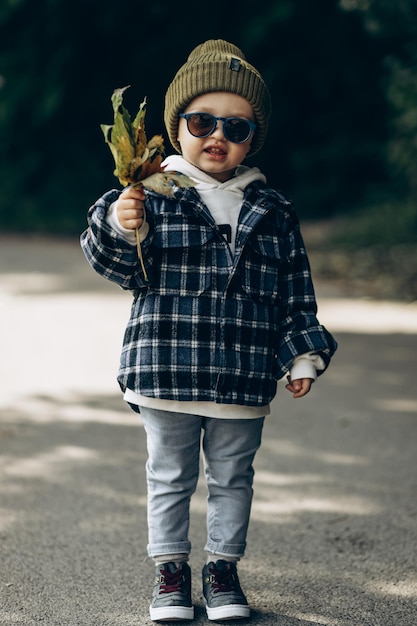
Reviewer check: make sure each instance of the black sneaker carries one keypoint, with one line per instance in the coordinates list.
(171, 597)
(221, 588)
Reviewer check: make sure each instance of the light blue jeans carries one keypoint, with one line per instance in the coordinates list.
(172, 470)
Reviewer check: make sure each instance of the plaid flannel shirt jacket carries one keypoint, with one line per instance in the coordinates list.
(210, 326)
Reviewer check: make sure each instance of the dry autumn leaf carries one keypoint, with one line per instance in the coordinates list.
(138, 161)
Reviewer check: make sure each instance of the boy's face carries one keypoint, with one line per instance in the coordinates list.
(214, 154)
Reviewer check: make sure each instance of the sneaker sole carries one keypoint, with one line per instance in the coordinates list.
(171, 613)
(228, 611)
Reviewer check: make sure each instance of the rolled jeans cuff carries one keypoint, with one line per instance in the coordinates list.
(179, 547)
(232, 550)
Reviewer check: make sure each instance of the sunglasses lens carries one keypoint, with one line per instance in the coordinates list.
(201, 124)
(236, 130)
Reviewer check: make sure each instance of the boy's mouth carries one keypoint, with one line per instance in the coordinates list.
(215, 151)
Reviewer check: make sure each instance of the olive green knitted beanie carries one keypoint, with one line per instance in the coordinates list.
(217, 65)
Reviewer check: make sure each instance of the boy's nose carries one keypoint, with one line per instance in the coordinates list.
(218, 131)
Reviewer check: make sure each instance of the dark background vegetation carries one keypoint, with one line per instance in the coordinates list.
(343, 133)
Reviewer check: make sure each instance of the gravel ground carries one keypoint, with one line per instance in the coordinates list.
(334, 526)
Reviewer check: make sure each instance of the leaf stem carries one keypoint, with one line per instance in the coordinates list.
(140, 255)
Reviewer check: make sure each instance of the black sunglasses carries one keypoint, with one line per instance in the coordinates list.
(235, 129)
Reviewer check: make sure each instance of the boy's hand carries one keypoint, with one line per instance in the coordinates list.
(299, 387)
(129, 207)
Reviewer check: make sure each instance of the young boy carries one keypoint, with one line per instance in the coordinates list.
(227, 310)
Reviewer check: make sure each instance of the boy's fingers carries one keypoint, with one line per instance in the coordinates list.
(131, 204)
(293, 385)
(133, 215)
(133, 224)
(128, 209)
(132, 192)
(299, 387)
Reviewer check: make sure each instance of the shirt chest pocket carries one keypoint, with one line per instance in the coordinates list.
(182, 255)
(264, 261)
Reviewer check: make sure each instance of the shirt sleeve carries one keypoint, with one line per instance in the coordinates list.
(306, 366)
(300, 331)
(108, 253)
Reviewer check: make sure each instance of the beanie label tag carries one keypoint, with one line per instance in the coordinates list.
(234, 64)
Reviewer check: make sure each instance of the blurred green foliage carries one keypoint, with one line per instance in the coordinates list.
(343, 133)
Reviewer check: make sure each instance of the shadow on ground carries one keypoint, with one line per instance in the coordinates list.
(333, 532)
(334, 515)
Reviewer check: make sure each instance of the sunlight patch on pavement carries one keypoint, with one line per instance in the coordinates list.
(336, 458)
(399, 405)
(72, 408)
(368, 316)
(58, 343)
(272, 506)
(7, 519)
(29, 283)
(46, 465)
(282, 480)
(402, 588)
(315, 619)
(286, 448)
(109, 494)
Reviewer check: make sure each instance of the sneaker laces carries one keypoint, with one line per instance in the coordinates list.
(223, 581)
(170, 582)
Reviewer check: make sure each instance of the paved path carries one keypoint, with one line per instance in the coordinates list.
(333, 536)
